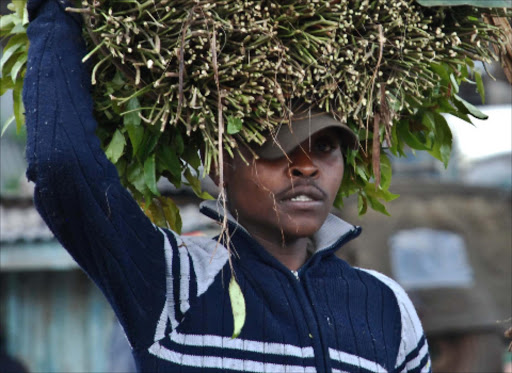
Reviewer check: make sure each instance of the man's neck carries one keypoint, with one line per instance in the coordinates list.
(291, 253)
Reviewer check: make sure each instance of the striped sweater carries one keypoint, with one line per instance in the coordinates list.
(170, 292)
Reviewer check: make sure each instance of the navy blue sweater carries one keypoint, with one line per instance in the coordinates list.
(169, 292)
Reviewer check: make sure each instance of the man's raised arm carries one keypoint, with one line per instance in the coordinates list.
(78, 192)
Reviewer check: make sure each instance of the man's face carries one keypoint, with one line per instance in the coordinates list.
(286, 199)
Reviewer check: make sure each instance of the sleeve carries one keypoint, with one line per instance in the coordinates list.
(413, 355)
(77, 190)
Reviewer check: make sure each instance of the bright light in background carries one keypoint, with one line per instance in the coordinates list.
(487, 137)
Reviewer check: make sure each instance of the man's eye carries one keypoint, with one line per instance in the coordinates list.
(326, 146)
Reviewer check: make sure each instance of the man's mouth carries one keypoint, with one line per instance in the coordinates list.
(303, 193)
(301, 198)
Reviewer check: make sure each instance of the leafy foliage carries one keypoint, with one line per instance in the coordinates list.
(164, 71)
(14, 57)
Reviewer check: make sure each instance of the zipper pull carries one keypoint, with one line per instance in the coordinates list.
(296, 274)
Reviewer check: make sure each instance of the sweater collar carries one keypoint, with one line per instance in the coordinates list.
(331, 235)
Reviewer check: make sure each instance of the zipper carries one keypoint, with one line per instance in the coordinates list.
(296, 274)
(315, 331)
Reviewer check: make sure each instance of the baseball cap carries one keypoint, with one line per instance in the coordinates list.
(292, 134)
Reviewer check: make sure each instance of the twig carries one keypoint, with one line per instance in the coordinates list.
(181, 59)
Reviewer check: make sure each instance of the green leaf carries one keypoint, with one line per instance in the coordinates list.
(169, 160)
(377, 206)
(178, 144)
(397, 146)
(18, 7)
(385, 171)
(362, 204)
(234, 125)
(9, 64)
(18, 66)
(454, 83)
(373, 195)
(471, 109)
(25, 14)
(19, 109)
(131, 115)
(477, 3)
(442, 71)
(147, 145)
(118, 81)
(121, 169)
(380, 193)
(338, 201)
(135, 177)
(195, 184)
(116, 107)
(445, 106)
(410, 139)
(16, 42)
(150, 174)
(237, 306)
(362, 172)
(7, 23)
(6, 84)
(469, 62)
(191, 156)
(163, 212)
(480, 86)
(442, 145)
(116, 146)
(155, 212)
(171, 214)
(20, 28)
(136, 134)
(428, 120)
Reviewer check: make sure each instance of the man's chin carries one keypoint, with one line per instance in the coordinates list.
(301, 229)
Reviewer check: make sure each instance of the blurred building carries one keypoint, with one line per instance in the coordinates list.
(56, 319)
(448, 241)
(449, 246)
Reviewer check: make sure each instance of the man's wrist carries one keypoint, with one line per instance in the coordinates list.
(33, 7)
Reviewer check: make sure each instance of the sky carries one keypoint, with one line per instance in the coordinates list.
(487, 137)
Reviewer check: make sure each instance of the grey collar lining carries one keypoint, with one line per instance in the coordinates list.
(330, 232)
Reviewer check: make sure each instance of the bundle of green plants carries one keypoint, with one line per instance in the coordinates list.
(173, 78)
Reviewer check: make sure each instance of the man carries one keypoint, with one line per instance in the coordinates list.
(307, 310)
(283, 197)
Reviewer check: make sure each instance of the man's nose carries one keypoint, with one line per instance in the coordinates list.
(302, 164)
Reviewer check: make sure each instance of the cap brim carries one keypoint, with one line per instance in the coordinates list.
(289, 136)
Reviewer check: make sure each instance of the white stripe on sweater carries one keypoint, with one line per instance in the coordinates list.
(356, 361)
(218, 362)
(264, 348)
(208, 258)
(273, 348)
(412, 331)
(170, 283)
(414, 363)
(184, 279)
(164, 316)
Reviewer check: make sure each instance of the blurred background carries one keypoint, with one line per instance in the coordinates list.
(448, 242)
